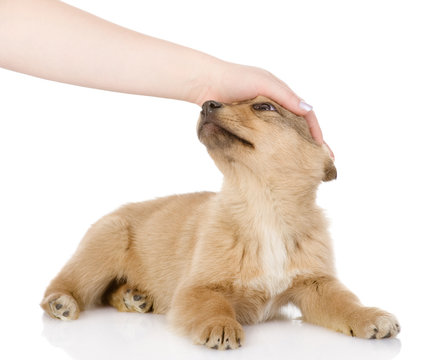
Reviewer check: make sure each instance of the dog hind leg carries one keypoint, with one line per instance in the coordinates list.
(99, 259)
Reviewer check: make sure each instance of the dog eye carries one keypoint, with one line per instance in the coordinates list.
(264, 107)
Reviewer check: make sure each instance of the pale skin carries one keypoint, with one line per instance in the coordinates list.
(52, 40)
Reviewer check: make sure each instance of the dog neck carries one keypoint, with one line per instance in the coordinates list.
(287, 201)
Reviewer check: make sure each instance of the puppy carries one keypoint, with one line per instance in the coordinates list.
(215, 261)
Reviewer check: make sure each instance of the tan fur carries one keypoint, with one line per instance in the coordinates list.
(215, 261)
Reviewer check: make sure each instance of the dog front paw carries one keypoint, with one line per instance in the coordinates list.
(373, 323)
(221, 334)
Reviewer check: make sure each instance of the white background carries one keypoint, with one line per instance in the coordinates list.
(69, 155)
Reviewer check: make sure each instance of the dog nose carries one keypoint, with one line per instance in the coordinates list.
(210, 106)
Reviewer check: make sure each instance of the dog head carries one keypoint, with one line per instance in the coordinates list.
(262, 136)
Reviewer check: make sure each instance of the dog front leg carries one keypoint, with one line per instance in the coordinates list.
(207, 317)
(324, 301)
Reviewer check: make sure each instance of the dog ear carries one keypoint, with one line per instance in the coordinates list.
(330, 172)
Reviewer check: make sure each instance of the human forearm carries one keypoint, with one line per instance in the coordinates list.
(55, 41)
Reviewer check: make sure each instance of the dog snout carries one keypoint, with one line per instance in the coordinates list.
(210, 106)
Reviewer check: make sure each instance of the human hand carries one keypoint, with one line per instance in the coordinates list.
(232, 82)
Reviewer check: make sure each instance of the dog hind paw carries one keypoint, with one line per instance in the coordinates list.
(131, 300)
(137, 301)
(61, 306)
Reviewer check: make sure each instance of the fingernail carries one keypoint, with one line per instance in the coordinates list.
(305, 106)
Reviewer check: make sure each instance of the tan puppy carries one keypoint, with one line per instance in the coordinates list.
(215, 261)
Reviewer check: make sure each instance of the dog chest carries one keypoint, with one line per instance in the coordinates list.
(271, 258)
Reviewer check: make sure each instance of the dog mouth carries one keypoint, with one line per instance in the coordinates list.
(211, 126)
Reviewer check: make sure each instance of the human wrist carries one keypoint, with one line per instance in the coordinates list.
(204, 82)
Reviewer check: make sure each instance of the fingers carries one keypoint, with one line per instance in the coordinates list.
(284, 96)
(289, 100)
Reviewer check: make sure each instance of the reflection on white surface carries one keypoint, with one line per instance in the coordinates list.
(104, 333)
